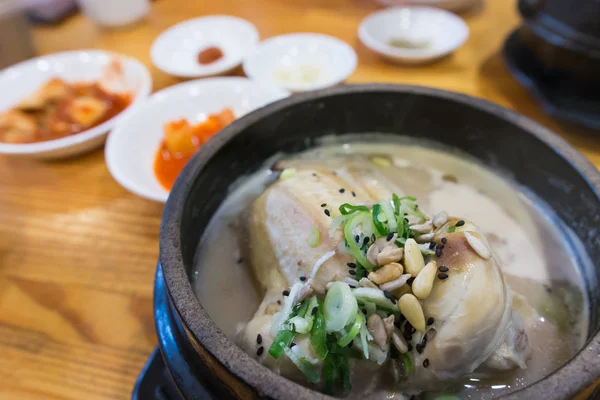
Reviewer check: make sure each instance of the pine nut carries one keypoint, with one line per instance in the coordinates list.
(440, 219)
(424, 238)
(396, 283)
(411, 308)
(390, 254)
(399, 342)
(386, 273)
(376, 328)
(478, 245)
(413, 259)
(422, 228)
(423, 283)
(364, 282)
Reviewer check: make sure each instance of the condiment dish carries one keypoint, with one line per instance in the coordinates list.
(413, 35)
(113, 71)
(132, 146)
(301, 61)
(176, 50)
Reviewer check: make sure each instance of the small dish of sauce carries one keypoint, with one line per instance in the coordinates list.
(209, 55)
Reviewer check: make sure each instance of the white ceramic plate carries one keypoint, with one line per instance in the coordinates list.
(301, 61)
(23, 79)
(176, 50)
(132, 145)
(428, 33)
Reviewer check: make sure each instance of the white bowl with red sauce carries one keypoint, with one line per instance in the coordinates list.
(205, 46)
(132, 147)
(114, 73)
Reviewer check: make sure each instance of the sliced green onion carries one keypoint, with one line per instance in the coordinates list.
(408, 366)
(451, 229)
(330, 373)
(318, 334)
(347, 208)
(378, 225)
(372, 295)
(353, 331)
(311, 374)
(339, 307)
(281, 342)
(344, 371)
(349, 229)
(364, 340)
(396, 201)
(388, 210)
(314, 237)
(287, 173)
(350, 352)
(300, 324)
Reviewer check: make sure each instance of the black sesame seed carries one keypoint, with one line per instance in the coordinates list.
(424, 341)
(390, 236)
(286, 292)
(314, 310)
(260, 350)
(353, 194)
(351, 265)
(352, 286)
(407, 336)
(430, 321)
(410, 280)
(406, 219)
(407, 327)
(364, 311)
(279, 302)
(352, 272)
(548, 289)
(439, 246)
(259, 339)
(431, 245)
(324, 205)
(366, 240)
(364, 273)
(342, 190)
(389, 296)
(302, 278)
(444, 240)
(442, 276)
(460, 223)
(438, 252)
(314, 174)
(292, 344)
(426, 363)
(443, 268)
(357, 238)
(326, 211)
(419, 348)
(409, 345)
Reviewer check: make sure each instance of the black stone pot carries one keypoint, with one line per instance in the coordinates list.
(194, 348)
(556, 55)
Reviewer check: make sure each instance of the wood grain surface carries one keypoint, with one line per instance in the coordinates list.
(78, 252)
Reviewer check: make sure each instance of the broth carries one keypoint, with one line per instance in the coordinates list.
(534, 247)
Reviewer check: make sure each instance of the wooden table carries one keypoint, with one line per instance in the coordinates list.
(78, 252)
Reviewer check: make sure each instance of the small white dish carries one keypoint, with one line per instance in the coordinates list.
(301, 61)
(175, 51)
(131, 147)
(21, 80)
(421, 34)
